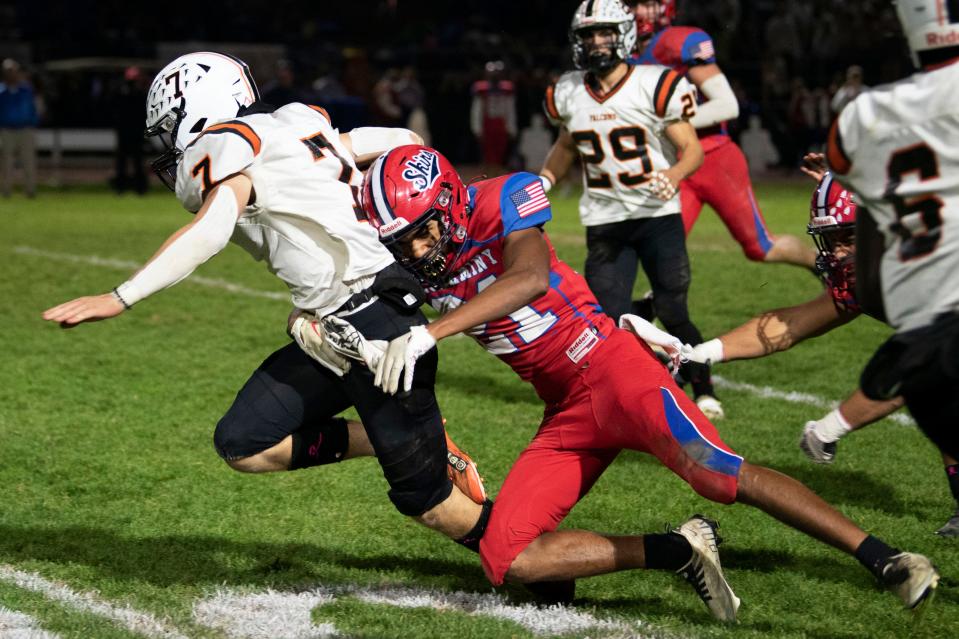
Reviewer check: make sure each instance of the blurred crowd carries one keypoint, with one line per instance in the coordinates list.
(469, 77)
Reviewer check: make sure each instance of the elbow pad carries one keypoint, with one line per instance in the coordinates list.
(207, 237)
(721, 103)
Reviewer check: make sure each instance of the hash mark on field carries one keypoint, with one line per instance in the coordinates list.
(286, 615)
(16, 625)
(127, 265)
(133, 620)
(794, 397)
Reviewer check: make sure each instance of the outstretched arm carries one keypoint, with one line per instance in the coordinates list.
(559, 159)
(370, 142)
(525, 278)
(776, 330)
(191, 245)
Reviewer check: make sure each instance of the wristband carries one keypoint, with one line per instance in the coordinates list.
(547, 183)
(119, 298)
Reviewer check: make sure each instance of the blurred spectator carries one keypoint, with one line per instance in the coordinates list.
(411, 98)
(802, 118)
(385, 102)
(534, 143)
(493, 116)
(128, 122)
(283, 89)
(18, 122)
(849, 90)
(758, 147)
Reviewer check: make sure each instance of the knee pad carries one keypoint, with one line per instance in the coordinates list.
(323, 443)
(416, 473)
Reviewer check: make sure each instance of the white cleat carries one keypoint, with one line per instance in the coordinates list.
(703, 570)
(816, 449)
(712, 408)
(912, 577)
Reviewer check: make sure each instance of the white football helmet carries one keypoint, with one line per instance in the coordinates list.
(602, 13)
(188, 95)
(930, 26)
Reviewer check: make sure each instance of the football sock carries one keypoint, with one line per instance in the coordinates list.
(952, 474)
(471, 539)
(667, 551)
(319, 444)
(873, 553)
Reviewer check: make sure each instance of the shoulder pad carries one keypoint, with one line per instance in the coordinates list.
(220, 152)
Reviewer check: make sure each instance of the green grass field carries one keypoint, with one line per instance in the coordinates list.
(118, 519)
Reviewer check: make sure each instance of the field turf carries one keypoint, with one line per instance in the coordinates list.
(118, 519)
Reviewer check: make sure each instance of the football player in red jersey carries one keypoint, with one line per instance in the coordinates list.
(491, 272)
(832, 222)
(723, 179)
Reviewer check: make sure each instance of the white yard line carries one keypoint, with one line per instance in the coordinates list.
(16, 625)
(286, 615)
(767, 392)
(126, 265)
(142, 623)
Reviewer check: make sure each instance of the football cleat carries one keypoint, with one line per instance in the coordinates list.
(912, 577)
(703, 570)
(816, 449)
(712, 408)
(951, 527)
(461, 469)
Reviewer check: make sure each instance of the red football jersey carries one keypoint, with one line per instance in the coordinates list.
(543, 341)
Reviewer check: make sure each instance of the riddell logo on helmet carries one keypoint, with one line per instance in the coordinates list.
(422, 170)
(942, 39)
(393, 226)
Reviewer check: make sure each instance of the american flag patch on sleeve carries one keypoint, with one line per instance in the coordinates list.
(704, 50)
(530, 199)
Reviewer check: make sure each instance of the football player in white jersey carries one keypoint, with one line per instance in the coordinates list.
(281, 183)
(897, 147)
(628, 124)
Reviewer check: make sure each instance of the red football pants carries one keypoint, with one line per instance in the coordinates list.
(604, 411)
(723, 183)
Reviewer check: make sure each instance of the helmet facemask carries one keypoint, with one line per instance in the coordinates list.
(165, 165)
(838, 273)
(434, 266)
(596, 58)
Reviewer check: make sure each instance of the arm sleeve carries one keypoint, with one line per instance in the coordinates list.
(375, 139)
(720, 105)
(204, 239)
(523, 203)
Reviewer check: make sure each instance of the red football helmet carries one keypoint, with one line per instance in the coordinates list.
(403, 190)
(662, 17)
(832, 215)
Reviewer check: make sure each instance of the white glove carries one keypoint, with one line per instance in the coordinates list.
(401, 354)
(311, 336)
(677, 351)
(710, 352)
(348, 342)
(659, 186)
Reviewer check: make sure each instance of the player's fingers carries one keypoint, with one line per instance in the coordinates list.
(380, 370)
(395, 372)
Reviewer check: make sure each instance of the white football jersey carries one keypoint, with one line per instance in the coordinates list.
(897, 147)
(621, 138)
(305, 222)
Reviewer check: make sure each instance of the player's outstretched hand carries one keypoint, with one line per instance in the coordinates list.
(814, 165)
(401, 355)
(661, 185)
(84, 309)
